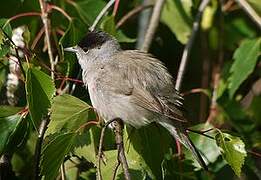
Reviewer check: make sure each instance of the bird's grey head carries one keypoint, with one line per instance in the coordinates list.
(95, 46)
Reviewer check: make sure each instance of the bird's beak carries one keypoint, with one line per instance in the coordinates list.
(71, 49)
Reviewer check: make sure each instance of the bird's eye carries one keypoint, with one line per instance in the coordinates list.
(85, 49)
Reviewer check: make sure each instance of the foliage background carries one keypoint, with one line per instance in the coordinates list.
(221, 88)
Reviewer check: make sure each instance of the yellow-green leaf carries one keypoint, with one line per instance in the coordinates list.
(232, 149)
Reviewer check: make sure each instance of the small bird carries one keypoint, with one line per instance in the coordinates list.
(131, 85)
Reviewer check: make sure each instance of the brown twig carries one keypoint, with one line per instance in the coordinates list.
(188, 47)
(116, 7)
(26, 14)
(37, 38)
(132, 13)
(118, 126)
(46, 23)
(154, 21)
(61, 11)
(216, 72)
(254, 153)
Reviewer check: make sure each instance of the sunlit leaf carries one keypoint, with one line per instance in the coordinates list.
(245, 59)
(208, 15)
(67, 113)
(40, 90)
(232, 149)
(108, 25)
(9, 110)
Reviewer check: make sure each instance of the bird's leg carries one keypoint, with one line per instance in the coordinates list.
(118, 126)
(99, 177)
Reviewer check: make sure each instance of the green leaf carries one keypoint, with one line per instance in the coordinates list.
(88, 9)
(232, 149)
(147, 153)
(67, 113)
(40, 90)
(6, 27)
(7, 128)
(108, 25)
(9, 110)
(174, 168)
(176, 15)
(245, 59)
(54, 153)
(4, 47)
(208, 15)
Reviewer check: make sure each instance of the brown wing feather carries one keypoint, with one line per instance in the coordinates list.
(153, 87)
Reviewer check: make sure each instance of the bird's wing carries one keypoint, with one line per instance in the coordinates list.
(152, 85)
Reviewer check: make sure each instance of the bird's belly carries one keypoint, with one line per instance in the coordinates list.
(109, 106)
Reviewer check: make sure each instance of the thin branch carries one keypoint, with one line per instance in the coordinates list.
(62, 169)
(74, 84)
(37, 38)
(38, 147)
(250, 11)
(116, 7)
(132, 13)
(26, 14)
(118, 126)
(44, 16)
(103, 11)
(61, 11)
(188, 46)
(143, 22)
(116, 169)
(154, 21)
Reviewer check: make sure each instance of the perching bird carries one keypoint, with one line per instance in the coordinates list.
(131, 85)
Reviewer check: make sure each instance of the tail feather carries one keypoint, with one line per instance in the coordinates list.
(183, 138)
(189, 144)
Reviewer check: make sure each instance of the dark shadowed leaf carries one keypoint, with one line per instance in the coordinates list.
(40, 90)
(9, 110)
(4, 48)
(54, 153)
(7, 128)
(176, 15)
(232, 149)
(67, 113)
(173, 167)
(245, 59)
(88, 9)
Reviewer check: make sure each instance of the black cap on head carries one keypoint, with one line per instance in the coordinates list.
(94, 39)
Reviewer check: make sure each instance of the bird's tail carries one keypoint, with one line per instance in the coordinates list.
(184, 139)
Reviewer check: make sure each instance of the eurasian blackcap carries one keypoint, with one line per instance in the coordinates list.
(131, 85)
